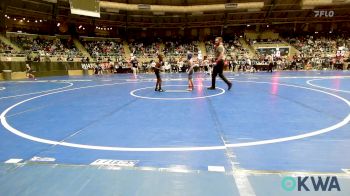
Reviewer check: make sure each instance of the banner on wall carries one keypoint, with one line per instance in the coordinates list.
(88, 65)
(278, 52)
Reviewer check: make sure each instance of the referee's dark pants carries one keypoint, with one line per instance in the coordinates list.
(269, 68)
(218, 70)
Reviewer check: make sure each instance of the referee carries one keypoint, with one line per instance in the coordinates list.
(219, 67)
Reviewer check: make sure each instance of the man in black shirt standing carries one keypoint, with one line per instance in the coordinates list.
(219, 66)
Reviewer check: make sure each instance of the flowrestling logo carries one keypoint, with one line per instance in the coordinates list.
(324, 13)
(310, 183)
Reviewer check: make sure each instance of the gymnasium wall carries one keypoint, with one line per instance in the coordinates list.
(42, 69)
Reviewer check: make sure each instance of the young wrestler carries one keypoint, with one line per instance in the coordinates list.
(157, 69)
(134, 66)
(190, 71)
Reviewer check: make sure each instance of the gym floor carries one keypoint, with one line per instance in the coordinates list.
(115, 135)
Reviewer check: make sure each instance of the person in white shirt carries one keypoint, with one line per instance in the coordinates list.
(167, 66)
(200, 59)
(180, 64)
(206, 65)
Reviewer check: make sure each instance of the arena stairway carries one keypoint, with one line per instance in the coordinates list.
(201, 47)
(127, 52)
(247, 46)
(293, 50)
(6, 41)
(81, 48)
(161, 47)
